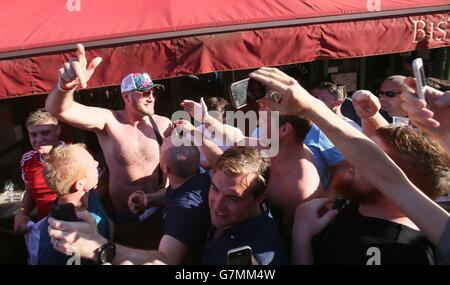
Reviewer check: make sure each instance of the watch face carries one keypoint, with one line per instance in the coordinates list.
(107, 252)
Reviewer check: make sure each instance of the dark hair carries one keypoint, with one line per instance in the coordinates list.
(243, 160)
(218, 104)
(337, 90)
(422, 160)
(300, 125)
(183, 161)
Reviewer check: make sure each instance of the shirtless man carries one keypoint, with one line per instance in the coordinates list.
(294, 178)
(127, 137)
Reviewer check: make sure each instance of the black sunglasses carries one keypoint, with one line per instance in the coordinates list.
(389, 94)
(146, 93)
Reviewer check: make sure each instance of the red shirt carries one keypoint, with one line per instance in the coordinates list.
(32, 174)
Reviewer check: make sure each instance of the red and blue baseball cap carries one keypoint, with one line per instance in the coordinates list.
(138, 82)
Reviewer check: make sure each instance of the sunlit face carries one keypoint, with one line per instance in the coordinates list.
(91, 179)
(44, 137)
(325, 96)
(143, 102)
(392, 105)
(230, 200)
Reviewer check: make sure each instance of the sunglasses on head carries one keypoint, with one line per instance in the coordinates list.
(389, 94)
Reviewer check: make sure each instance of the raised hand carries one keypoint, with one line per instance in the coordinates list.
(365, 103)
(197, 110)
(185, 126)
(76, 71)
(295, 100)
(431, 116)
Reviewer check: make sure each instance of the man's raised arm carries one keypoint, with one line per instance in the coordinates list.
(60, 102)
(381, 172)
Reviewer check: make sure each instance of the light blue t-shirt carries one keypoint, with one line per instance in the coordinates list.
(325, 154)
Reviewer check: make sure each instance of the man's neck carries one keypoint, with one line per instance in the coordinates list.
(176, 182)
(134, 118)
(337, 111)
(384, 209)
(80, 204)
(289, 147)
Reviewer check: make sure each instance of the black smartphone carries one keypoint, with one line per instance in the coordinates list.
(64, 212)
(246, 91)
(339, 204)
(240, 256)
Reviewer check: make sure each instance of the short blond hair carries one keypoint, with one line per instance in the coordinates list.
(241, 160)
(40, 117)
(62, 168)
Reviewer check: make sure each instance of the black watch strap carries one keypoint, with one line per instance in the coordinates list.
(106, 252)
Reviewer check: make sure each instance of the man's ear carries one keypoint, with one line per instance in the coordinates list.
(285, 129)
(77, 186)
(350, 173)
(126, 96)
(339, 102)
(261, 198)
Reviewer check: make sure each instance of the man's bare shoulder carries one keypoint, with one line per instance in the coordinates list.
(162, 120)
(114, 116)
(164, 124)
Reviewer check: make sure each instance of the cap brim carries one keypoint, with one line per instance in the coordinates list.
(154, 86)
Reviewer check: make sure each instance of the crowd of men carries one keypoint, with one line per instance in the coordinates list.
(334, 193)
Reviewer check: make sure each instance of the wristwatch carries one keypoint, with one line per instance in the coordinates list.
(106, 252)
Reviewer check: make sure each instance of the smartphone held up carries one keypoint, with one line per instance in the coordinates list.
(419, 74)
(246, 91)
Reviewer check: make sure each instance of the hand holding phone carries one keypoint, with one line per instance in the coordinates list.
(240, 256)
(64, 212)
(419, 74)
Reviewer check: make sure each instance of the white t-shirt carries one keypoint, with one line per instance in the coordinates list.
(351, 122)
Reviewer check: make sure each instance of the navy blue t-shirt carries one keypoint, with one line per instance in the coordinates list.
(260, 233)
(186, 214)
(47, 255)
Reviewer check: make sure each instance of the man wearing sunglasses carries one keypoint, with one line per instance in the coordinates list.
(389, 93)
(129, 138)
(334, 95)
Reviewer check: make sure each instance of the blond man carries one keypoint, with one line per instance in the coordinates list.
(71, 172)
(43, 132)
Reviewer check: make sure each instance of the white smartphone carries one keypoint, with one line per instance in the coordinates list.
(246, 91)
(240, 256)
(419, 74)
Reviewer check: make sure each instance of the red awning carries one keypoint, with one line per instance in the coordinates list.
(171, 38)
